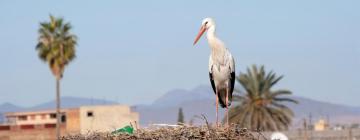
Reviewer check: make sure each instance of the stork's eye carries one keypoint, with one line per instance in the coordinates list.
(206, 22)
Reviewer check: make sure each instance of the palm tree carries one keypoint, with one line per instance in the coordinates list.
(261, 108)
(56, 47)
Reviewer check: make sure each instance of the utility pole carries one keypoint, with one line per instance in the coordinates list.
(310, 121)
(350, 133)
(310, 125)
(328, 120)
(305, 130)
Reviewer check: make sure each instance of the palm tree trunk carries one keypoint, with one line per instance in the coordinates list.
(58, 115)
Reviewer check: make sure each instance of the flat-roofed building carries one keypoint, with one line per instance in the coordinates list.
(84, 119)
(321, 125)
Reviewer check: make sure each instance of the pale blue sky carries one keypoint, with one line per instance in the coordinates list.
(135, 51)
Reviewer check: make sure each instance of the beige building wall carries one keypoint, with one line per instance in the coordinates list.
(105, 118)
(73, 121)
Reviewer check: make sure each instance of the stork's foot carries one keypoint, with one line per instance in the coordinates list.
(227, 126)
(217, 124)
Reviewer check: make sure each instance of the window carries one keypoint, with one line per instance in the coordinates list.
(50, 125)
(90, 114)
(28, 126)
(4, 127)
(32, 117)
(53, 115)
(63, 118)
(22, 118)
(43, 116)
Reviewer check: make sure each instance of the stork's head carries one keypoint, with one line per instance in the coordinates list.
(206, 24)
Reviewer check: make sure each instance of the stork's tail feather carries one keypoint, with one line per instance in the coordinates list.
(222, 103)
(222, 99)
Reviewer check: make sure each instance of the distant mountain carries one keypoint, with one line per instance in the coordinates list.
(70, 102)
(336, 113)
(175, 97)
(165, 109)
(66, 102)
(201, 100)
(6, 107)
(192, 110)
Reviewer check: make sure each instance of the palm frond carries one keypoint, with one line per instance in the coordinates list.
(285, 99)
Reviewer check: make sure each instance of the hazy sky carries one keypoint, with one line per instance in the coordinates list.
(135, 51)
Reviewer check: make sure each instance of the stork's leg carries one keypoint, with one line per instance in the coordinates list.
(217, 109)
(227, 107)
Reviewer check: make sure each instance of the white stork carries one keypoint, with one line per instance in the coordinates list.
(221, 67)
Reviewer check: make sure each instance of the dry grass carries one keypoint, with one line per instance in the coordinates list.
(175, 133)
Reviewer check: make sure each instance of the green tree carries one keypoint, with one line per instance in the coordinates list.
(260, 107)
(180, 117)
(56, 46)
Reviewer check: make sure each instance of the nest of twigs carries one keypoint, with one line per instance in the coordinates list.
(174, 133)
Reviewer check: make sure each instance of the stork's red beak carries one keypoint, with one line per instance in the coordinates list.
(202, 30)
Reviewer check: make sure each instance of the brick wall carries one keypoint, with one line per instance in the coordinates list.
(29, 132)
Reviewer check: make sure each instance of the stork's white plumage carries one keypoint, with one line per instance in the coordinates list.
(221, 67)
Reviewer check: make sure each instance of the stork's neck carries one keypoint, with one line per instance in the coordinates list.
(215, 44)
(211, 33)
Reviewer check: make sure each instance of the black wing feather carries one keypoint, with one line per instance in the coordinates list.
(232, 82)
(212, 82)
(231, 86)
(220, 97)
